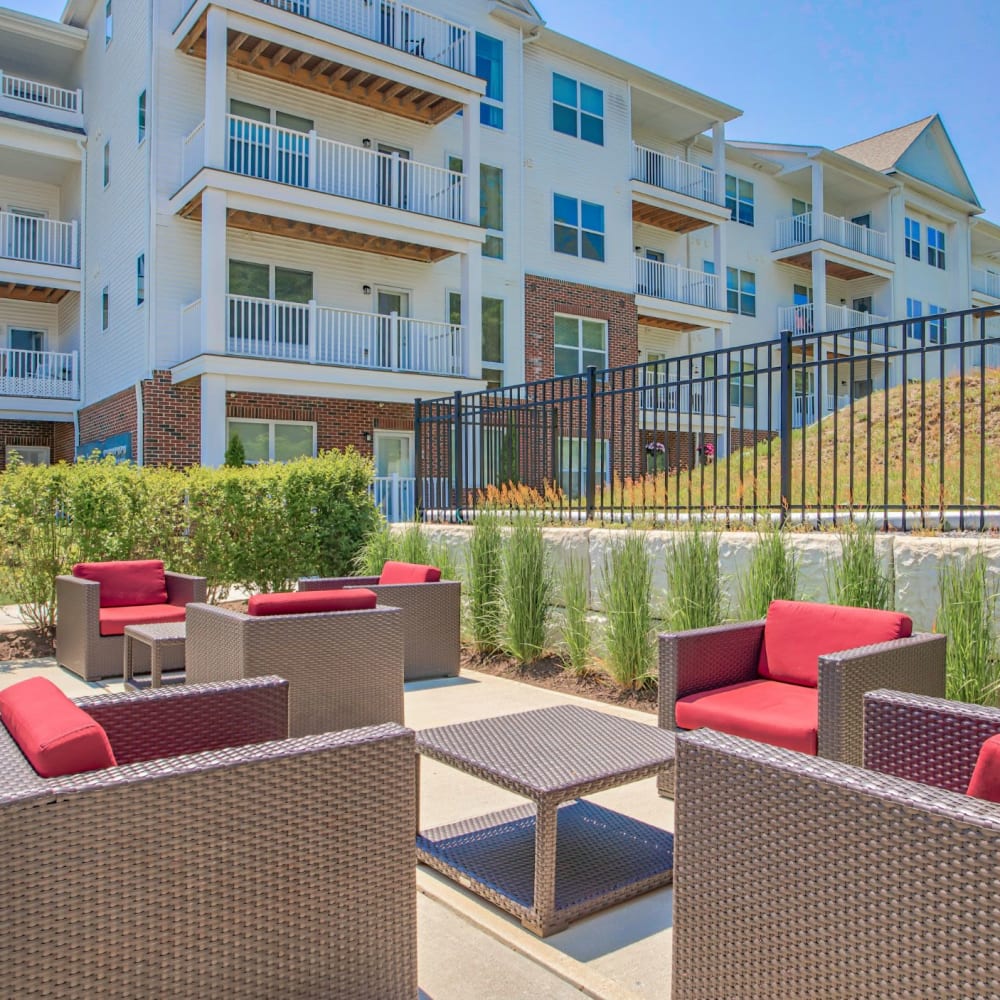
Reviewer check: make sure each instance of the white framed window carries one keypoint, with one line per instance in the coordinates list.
(911, 238)
(914, 308)
(741, 291)
(490, 205)
(739, 199)
(489, 67)
(108, 24)
(493, 335)
(936, 328)
(935, 247)
(578, 227)
(105, 307)
(140, 279)
(573, 464)
(107, 163)
(742, 384)
(29, 454)
(577, 109)
(273, 440)
(140, 114)
(578, 343)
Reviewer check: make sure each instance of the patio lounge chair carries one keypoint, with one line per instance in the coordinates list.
(800, 877)
(241, 868)
(100, 599)
(797, 678)
(432, 611)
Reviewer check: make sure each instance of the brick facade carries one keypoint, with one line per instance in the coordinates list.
(58, 438)
(116, 414)
(171, 421)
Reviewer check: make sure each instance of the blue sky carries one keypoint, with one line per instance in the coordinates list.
(827, 72)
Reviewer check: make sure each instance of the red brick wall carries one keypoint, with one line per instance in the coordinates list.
(116, 414)
(38, 433)
(63, 444)
(171, 424)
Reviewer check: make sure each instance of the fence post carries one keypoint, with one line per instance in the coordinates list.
(458, 470)
(418, 493)
(591, 440)
(785, 423)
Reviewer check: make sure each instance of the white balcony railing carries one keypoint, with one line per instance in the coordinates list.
(266, 328)
(303, 159)
(39, 374)
(798, 229)
(673, 174)
(32, 92)
(664, 396)
(677, 284)
(41, 241)
(399, 25)
(395, 496)
(987, 282)
(801, 319)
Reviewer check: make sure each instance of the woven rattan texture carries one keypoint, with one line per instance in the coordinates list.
(276, 870)
(80, 647)
(798, 877)
(432, 615)
(345, 668)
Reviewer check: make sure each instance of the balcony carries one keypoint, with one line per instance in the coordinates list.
(986, 282)
(673, 174)
(33, 99)
(39, 241)
(696, 298)
(798, 230)
(801, 319)
(685, 398)
(672, 194)
(39, 374)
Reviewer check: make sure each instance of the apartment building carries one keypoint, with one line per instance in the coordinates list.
(288, 219)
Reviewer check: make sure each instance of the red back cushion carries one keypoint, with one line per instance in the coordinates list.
(400, 572)
(798, 633)
(985, 780)
(55, 735)
(123, 584)
(304, 602)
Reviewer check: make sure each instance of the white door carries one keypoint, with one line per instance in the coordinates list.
(394, 484)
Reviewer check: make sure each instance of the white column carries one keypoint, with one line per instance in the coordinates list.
(472, 312)
(213, 419)
(897, 213)
(958, 247)
(215, 88)
(817, 202)
(719, 257)
(213, 271)
(719, 161)
(819, 290)
(470, 161)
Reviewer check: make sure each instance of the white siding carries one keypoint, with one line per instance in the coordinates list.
(30, 316)
(18, 192)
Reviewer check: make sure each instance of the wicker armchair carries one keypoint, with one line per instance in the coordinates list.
(800, 877)
(345, 667)
(243, 868)
(432, 615)
(80, 647)
(706, 659)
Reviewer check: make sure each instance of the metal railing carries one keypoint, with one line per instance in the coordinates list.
(801, 319)
(677, 284)
(19, 88)
(985, 281)
(814, 427)
(798, 229)
(41, 241)
(305, 331)
(398, 25)
(39, 374)
(674, 174)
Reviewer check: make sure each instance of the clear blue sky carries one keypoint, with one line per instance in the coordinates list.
(827, 72)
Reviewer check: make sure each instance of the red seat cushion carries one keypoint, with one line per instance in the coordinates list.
(114, 620)
(304, 602)
(126, 584)
(783, 715)
(55, 735)
(400, 572)
(985, 780)
(798, 633)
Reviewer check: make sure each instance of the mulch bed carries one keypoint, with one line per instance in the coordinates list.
(25, 645)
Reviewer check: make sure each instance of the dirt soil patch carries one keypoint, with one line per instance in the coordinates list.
(25, 645)
(550, 673)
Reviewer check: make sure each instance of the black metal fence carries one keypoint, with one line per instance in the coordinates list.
(898, 421)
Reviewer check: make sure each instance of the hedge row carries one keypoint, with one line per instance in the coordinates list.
(259, 527)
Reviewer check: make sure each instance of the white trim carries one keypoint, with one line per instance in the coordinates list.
(271, 424)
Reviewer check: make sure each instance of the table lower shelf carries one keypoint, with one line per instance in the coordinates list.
(602, 858)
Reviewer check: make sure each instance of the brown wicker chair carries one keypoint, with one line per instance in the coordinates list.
(243, 868)
(80, 647)
(345, 667)
(704, 659)
(432, 615)
(800, 877)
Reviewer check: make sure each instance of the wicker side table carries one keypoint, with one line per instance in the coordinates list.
(166, 644)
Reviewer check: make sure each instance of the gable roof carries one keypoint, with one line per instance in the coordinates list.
(882, 152)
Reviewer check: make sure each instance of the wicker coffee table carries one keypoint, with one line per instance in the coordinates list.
(166, 643)
(552, 756)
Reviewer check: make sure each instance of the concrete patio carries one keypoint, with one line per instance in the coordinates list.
(467, 948)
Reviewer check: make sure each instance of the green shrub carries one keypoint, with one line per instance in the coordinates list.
(525, 591)
(484, 570)
(694, 584)
(410, 545)
(626, 587)
(577, 632)
(857, 578)
(379, 546)
(236, 456)
(772, 575)
(966, 616)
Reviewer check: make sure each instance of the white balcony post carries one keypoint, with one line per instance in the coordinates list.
(470, 161)
(818, 209)
(472, 312)
(213, 419)
(312, 158)
(819, 290)
(74, 252)
(79, 101)
(397, 37)
(398, 201)
(75, 368)
(394, 345)
(719, 256)
(215, 88)
(213, 272)
(719, 163)
(312, 332)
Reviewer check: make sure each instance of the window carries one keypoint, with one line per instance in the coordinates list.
(577, 109)
(573, 464)
(105, 307)
(739, 199)
(489, 67)
(28, 454)
(936, 328)
(800, 207)
(140, 279)
(741, 292)
(107, 163)
(273, 440)
(493, 342)
(141, 117)
(108, 24)
(490, 205)
(914, 308)
(742, 384)
(912, 239)
(578, 228)
(580, 343)
(935, 247)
